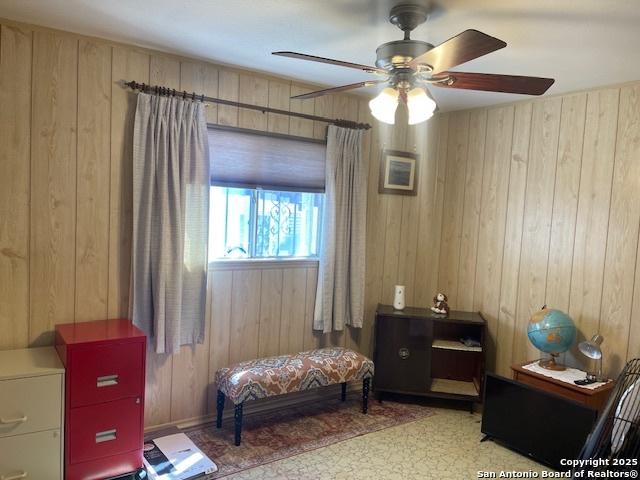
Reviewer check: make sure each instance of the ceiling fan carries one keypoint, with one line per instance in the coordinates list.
(409, 66)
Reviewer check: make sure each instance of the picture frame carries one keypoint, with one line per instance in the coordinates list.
(398, 172)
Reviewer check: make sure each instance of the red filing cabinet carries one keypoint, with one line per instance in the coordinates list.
(104, 397)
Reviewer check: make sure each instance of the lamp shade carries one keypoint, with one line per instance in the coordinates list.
(420, 105)
(591, 348)
(383, 107)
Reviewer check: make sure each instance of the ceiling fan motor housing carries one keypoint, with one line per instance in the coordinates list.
(399, 53)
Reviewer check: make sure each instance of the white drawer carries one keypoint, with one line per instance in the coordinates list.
(30, 405)
(35, 456)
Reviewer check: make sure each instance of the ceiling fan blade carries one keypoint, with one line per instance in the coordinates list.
(330, 61)
(463, 47)
(496, 83)
(326, 91)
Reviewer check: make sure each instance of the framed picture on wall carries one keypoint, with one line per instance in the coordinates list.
(398, 172)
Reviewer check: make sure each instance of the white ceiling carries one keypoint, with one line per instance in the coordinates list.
(581, 43)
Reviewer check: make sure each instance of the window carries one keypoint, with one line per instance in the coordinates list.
(267, 192)
(252, 222)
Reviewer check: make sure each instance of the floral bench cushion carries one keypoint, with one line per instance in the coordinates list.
(268, 377)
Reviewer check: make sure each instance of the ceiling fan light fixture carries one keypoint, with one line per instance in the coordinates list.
(420, 105)
(383, 106)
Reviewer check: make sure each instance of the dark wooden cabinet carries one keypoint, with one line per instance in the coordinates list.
(419, 352)
(404, 354)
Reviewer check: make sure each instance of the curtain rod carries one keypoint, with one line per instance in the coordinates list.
(159, 90)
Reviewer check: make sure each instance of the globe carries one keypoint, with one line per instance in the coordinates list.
(551, 331)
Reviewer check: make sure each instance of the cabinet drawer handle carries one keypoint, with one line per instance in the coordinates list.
(17, 476)
(106, 436)
(10, 421)
(107, 381)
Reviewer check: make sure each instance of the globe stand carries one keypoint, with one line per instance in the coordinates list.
(551, 364)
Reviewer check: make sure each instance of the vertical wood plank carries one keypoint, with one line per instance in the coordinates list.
(94, 159)
(534, 257)
(376, 215)
(165, 71)
(201, 78)
(593, 210)
(311, 338)
(53, 184)
(245, 310)
(323, 107)
(190, 373)
(426, 139)
(409, 224)
(300, 126)
(565, 204)
(279, 93)
(220, 337)
(633, 347)
(453, 205)
(424, 136)
(519, 163)
(293, 319)
(395, 139)
(344, 107)
(255, 91)
(270, 312)
(622, 240)
(15, 140)
(493, 210)
(126, 63)
(434, 227)
(228, 89)
(471, 210)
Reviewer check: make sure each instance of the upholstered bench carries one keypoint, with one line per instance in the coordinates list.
(268, 377)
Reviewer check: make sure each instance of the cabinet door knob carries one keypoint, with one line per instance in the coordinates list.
(16, 476)
(403, 353)
(9, 421)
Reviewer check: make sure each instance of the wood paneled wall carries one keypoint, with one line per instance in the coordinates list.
(66, 126)
(517, 206)
(542, 206)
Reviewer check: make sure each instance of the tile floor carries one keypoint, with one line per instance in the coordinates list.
(444, 446)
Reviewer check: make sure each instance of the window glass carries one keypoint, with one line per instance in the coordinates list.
(230, 222)
(260, 223)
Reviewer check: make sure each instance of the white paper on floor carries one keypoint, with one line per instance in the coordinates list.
(175, 457)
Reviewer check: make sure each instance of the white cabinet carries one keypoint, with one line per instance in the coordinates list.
(31, 414)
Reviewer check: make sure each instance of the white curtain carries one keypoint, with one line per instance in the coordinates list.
(170, 221)
(341, 274)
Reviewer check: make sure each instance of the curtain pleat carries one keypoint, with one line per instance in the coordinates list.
(341, 273)
(170, 221)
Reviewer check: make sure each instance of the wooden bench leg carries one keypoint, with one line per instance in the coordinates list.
(365, 394)
(343, 395)
(238, 423)
(219, 409)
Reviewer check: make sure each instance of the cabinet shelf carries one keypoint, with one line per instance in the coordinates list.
(453, 345)
(455, 387)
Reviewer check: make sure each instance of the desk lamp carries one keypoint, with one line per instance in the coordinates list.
(591, 349)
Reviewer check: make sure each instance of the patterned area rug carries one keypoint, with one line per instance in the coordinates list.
(276, 435)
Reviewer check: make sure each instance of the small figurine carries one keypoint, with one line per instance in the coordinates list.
(440, 304)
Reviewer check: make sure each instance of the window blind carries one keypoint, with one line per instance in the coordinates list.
(241, 158)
